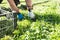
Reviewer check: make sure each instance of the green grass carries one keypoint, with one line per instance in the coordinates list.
(46, 26)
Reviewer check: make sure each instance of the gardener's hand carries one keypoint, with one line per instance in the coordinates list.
(20, 16)
(31, 15)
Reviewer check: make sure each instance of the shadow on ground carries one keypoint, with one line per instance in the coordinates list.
(52, 18)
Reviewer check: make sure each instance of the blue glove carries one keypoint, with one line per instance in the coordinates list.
(20, 16)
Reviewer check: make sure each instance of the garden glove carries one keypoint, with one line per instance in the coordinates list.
(20, 16)
(31, 14)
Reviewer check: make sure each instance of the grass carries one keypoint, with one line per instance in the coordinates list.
(46, 26)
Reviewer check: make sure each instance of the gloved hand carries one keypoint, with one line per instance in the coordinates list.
(20, 16)
(31, 15)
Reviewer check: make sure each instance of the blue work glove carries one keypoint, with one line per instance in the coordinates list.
(20, 16)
